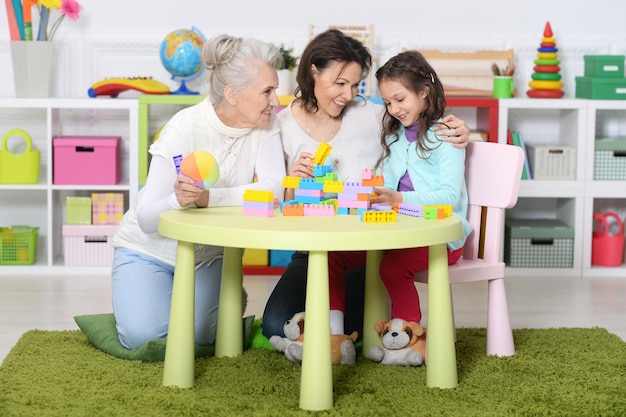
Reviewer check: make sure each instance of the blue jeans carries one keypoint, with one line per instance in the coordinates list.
(142, 294)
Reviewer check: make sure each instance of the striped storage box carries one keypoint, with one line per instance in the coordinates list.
(88, 245)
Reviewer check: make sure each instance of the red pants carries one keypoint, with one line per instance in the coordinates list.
(397, 271)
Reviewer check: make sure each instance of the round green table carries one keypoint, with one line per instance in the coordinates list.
(228, 227)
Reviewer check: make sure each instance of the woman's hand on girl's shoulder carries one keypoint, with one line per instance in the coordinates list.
(453, 130)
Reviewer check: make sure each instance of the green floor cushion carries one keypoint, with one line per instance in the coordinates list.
(101, 332)
(258, 340)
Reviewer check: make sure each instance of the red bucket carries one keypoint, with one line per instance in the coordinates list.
(607, 249)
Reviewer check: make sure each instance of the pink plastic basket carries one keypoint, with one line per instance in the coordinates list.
(607, 249)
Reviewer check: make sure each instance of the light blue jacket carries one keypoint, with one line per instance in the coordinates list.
(439, 179)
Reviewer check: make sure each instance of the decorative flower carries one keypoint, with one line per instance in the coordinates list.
(69, 8)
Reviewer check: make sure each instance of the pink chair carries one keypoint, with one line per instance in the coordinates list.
(492, 173)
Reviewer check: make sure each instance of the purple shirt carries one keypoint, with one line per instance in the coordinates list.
(405, 182)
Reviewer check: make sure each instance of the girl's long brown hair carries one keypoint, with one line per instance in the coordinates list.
(414, 72)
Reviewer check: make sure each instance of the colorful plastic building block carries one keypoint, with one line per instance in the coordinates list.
(319, 210)
(311, 184)
(333, 186)
(258, 195)
(309, 196)
(353, 203)
(259, 205)
(331, 176)
(322, 152)
(285, 203)
(247, 211)
(381, 207)
(305, 192)
(357, 187)
(411, 209)
(291, 182)
(375, 181)
(321, 170)
(372, 216)
(447, 208)
(433, 213)
(293, 210)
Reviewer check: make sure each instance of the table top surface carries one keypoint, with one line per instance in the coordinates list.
(227, 226)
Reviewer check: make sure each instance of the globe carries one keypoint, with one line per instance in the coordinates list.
(181, 55)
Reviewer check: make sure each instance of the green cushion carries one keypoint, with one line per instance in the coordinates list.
(258, 340)
(101, 332)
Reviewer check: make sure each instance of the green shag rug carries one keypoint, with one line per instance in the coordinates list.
(555, 372)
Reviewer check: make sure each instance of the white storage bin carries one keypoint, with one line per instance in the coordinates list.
(552, 162)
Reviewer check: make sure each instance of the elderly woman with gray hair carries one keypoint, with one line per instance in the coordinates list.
(237, 124)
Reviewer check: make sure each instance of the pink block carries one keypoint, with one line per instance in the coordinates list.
(319, 210)
(258, 212)
(86, 160)
(353, 203)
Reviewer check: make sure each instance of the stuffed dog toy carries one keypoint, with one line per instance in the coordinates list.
(342, 350)
(404, 343)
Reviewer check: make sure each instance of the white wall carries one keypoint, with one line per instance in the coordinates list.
(117, 38)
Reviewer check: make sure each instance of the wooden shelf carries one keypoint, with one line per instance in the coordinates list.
(486, 112)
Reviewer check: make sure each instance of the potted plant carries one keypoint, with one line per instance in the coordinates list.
(286, 75)
(289, 59)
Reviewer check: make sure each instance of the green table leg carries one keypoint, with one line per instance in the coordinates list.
(376, 301)
(178, 369)
(316, 381)
(229, 339)
(441, 369)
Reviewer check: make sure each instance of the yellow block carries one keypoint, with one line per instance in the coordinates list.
(255, 257)
(263, 196)
(321, 153)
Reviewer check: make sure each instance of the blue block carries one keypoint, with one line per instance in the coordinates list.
(311, 184)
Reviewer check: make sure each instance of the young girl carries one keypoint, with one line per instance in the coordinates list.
(418, 168)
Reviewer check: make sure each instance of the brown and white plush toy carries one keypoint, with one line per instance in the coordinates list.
(404, 343)
(342, 350)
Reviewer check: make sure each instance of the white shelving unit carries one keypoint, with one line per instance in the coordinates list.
(43, 204)
(577, 123)
(606, 118)
(573, 122)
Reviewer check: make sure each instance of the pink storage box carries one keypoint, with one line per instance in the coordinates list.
(88, 245)
(86, 160)
(107, 208)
